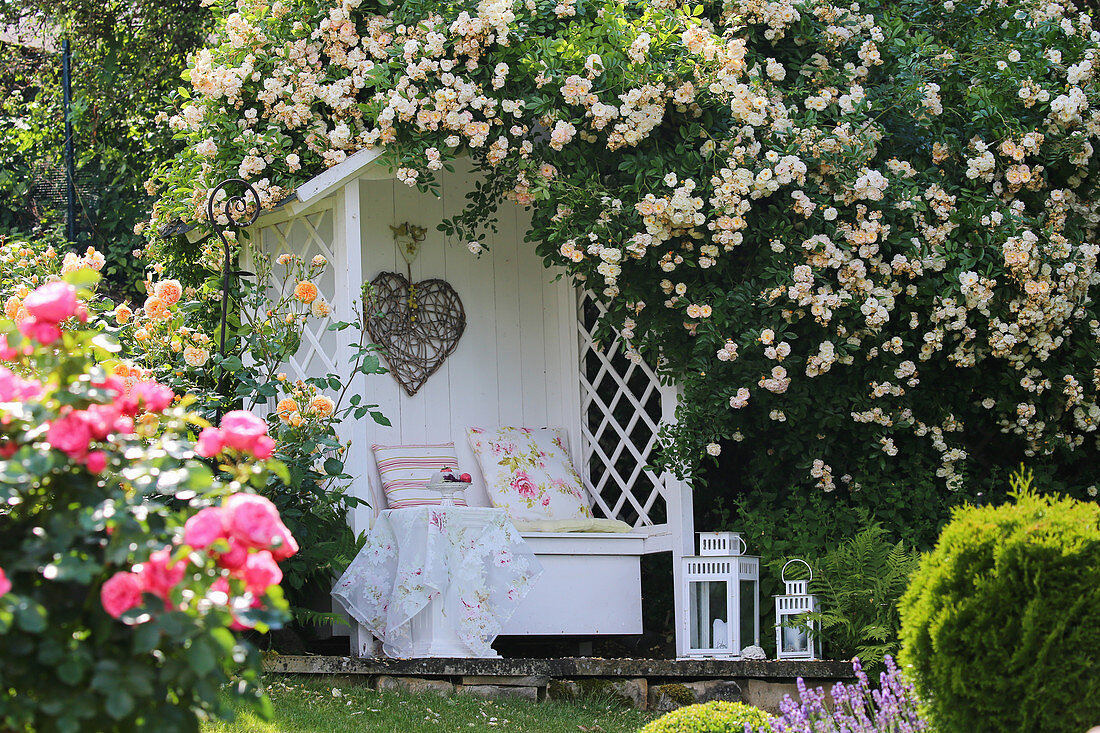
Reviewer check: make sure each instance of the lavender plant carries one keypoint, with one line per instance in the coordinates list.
(856, 708)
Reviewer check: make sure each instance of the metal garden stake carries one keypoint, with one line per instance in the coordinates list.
(237, 216)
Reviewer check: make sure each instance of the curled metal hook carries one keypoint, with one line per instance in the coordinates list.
(237, 215)
(235, 206)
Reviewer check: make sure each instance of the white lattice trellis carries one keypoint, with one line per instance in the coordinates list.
(622, 405)
(306, 236)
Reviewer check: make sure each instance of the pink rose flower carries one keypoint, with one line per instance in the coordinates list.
(96, 461)
(101, 420)
(14, 388)
(260, 571)
(210, 443)
(263, 448)
(253, 520)
(523, 485)
(154, 397)
(241, 429)
(7, 353)
(234, 557)
(202, 529)
(221, 585)
(112, 384)
(287, 547)
(5, 584)
(43, 333)
(70, 435)
(53, 302)
(159, 575)
(120, 593)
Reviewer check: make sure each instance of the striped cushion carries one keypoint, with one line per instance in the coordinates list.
(406, 470)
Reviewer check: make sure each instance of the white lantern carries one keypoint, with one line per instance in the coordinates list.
(722, 588)
(795, 640)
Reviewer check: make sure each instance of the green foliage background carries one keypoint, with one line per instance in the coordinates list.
(127, 56)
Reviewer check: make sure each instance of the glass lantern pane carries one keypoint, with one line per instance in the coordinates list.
(708, 615)
(795, 640)
(749, 614)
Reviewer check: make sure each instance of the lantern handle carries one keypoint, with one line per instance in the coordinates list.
(744, 546)
(783, 572)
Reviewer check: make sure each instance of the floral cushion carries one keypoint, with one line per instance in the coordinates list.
(528, 473)
(406, 470)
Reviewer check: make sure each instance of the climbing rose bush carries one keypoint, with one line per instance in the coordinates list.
(125, 561)
(892, 204)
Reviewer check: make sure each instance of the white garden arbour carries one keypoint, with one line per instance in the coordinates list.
(529, 357)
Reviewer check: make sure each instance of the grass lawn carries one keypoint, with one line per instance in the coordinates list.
(332, 705)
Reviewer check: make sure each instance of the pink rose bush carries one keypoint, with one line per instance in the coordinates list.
(108, 494)
(244, 536)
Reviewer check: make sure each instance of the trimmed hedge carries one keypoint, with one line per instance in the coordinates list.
(1001, 622)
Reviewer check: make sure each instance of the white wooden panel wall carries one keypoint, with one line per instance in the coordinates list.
(516, 361)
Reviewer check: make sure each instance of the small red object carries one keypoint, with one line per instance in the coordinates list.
(465, 478)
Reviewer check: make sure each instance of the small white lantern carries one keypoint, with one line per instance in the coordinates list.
(722, 588)
(795, 641)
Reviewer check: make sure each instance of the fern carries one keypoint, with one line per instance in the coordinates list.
(858, 585)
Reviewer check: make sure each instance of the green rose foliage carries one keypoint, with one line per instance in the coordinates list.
(862, 238)
(90, 495)
(1001, 622)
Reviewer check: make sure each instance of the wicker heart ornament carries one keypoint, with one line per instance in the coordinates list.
(417, 325)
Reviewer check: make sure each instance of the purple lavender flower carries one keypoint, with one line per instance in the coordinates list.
(855, 708)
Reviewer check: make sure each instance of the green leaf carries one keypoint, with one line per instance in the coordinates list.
(85, 277)
(71, 672)
(146, 637)
(201, 657)
(107, 343)
(119, 704)
(30, 618)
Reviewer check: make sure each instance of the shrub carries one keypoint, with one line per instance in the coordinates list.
(117, 599)
(168, 336)
(711, 717)
(855, 708)
(1001, 623)
(892, 204)
(859, 585)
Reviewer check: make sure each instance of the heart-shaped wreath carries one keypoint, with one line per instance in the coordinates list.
(417, 325)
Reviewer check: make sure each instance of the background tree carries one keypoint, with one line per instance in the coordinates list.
(126, 57)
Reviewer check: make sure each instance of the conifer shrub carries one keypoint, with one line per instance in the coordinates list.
(1001, 623)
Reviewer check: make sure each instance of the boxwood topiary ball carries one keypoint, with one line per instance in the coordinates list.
(1001, 621)
(710, 717)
